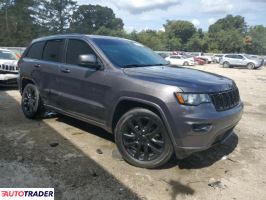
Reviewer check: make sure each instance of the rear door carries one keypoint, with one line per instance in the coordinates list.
(49, 66)
(30, 63)
(240, 60)
(82, 87)
(231, 59)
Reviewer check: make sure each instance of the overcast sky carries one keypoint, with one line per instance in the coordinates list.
(152, 14)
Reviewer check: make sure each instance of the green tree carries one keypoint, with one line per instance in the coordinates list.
(90, 18)
(179, 29)
(55, 15)
(195, 43)
(151, 38)
(257, 40)
(106, 31)
(16, 22)
(226, 35)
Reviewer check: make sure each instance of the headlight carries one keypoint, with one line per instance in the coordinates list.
(192, 99)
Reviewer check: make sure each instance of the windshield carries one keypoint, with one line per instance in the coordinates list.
(249, 56)
(7, 55)
(126, 53)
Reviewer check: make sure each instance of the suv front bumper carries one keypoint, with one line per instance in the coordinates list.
(8, 79)
(201, 127)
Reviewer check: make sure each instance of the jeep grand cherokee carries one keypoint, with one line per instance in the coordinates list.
(154, 110)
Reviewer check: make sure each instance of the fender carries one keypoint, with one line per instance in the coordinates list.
(148, 103)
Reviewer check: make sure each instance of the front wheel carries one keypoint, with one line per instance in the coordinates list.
(226, 65)
(186, 64)
(251, 66)
(31, 102)
(142, 139)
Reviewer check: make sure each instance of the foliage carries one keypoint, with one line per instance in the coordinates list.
(90, 18)
(179, 29)
(55, 15)
(227, 34)
(23, 20)
(256, 40)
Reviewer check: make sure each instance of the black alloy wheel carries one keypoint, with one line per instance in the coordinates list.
(142, 139)
(31, 102)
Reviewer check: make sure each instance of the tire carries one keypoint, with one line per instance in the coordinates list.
(31, 102)
(142, 139)
(226, 65)
(250, 66)
(186, 64)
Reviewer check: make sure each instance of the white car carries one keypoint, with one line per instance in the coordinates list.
(180, 60)
(8, 67)
(217, 58)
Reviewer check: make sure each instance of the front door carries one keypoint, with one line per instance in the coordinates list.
(82, 88)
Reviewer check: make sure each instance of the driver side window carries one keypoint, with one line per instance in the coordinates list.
(75, 49)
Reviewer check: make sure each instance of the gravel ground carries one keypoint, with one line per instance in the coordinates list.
(81, 161)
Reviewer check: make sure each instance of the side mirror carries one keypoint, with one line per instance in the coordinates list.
(89, 60)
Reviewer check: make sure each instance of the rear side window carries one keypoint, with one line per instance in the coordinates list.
(230, 56)
(75, 49)
(53, 50)
(35, 51)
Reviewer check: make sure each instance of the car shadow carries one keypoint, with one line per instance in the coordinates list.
(35, 155)
(209, 157)
(91, 129)
(195, 161)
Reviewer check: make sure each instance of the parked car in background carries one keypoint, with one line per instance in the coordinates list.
(200, 61)
(163, 55)
(152, 109)
(180, 60)
(8, 68)
(217, 58)
(242, 60)
(203, 56)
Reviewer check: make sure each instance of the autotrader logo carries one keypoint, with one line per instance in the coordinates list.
(27, 193)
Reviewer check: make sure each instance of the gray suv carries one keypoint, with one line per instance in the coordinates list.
(153, 110)
(243, 60)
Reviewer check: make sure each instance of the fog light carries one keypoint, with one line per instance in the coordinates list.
(201, 127)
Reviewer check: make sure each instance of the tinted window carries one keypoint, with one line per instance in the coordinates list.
(127, 53)
(230, 56)
(175, 57)
(75, 49)
(238, 56)
(53, 50)
(35, 50)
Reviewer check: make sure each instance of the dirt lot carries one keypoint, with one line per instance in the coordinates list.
(81, 161)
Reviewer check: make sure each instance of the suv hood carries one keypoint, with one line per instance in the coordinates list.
(188, 80)
(8, 62)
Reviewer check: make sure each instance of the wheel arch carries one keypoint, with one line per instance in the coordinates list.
(250, 62)
(24, 81)
(127, 103)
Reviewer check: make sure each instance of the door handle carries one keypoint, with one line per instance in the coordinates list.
(37, 66)
(65, 70)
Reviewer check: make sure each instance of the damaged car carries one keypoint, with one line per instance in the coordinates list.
(8, 68)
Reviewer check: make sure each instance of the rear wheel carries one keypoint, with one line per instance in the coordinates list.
(226, 64)
(251, 66)
(31, 102)
(142, 139)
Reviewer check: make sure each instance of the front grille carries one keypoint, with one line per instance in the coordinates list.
(8, 68)
(225, 100)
